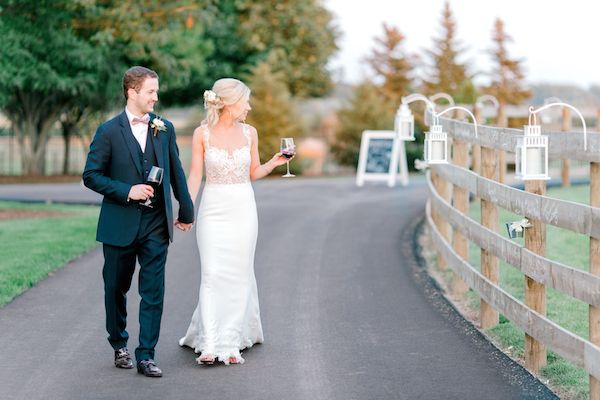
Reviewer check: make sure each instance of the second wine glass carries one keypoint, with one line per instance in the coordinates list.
(288, 150)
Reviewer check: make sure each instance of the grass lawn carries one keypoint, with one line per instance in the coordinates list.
(31, 248)
(566, 247)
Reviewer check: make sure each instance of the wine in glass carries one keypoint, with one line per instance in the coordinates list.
(155, 177)
(288, 149)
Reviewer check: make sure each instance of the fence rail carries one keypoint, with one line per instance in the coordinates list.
(446, 212)
(568, 345)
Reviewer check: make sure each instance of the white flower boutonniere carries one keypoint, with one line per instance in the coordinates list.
(158, 124)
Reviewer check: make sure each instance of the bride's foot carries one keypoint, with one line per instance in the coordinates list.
(233, 360)
(206, 359)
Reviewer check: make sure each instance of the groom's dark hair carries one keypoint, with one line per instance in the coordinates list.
(134, 78)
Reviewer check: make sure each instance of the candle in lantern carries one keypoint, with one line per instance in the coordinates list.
(535, 161)
(438, 151)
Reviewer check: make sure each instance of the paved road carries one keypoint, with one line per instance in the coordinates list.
(347, 311)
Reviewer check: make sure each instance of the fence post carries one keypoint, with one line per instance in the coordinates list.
(475, 148)
(460, 157)
(535, 292)
(489, 219)
(594, 312)
(502, 123)
(442, 188)
(566, 127)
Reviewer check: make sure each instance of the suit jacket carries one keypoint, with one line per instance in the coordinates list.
(113, 165)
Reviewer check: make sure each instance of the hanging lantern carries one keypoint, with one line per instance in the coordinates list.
(436, 145)
(404, 123)
(531, 155)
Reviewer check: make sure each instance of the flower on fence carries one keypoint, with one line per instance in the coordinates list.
(420, 165)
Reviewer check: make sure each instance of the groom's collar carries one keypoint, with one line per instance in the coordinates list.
(130, 115)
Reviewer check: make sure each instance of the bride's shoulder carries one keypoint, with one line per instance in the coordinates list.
(251, 129)
(200, 134)
(201, 130)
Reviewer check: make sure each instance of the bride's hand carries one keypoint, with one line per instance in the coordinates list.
(278, 159)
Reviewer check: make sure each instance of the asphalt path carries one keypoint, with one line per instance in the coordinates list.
(348, 312)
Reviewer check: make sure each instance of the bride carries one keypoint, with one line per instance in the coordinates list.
(227, 317)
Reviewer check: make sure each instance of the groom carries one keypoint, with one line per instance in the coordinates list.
(121, 155)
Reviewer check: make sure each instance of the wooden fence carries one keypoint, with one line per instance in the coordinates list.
(447, 217)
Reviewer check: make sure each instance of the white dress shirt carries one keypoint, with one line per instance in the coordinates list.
(140, 131)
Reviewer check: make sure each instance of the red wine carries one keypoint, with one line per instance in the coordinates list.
(288, 154)
(154, 185)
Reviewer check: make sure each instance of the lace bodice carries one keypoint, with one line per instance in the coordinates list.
(224, 168)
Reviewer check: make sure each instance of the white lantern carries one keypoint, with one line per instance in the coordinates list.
(404, 123)
(435, 151)
(531, 155)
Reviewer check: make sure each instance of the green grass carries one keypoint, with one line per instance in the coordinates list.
(563, 246)
(32, 248)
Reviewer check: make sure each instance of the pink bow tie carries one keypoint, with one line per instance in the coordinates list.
(144, 120)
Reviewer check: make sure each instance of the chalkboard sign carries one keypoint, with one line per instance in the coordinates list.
(379, 156)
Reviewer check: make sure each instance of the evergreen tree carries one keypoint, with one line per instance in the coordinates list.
(273, 114)
(392, 65)
(447, 74)
(506, 77)
(365, 112)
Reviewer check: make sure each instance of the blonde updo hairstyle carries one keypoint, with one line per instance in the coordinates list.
(225, 92)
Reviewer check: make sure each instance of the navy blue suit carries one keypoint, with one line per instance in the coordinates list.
(130, 231)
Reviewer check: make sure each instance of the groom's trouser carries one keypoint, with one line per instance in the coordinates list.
(150, 248)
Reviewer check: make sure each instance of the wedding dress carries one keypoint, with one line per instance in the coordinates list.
(227, 317)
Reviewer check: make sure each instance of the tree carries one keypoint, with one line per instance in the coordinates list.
(301, 35)
(447, 74)
(43, 67)
(506, 77)
(392, 65)
(65, 59)
(166, 37)
(365, 112)
(272, 114)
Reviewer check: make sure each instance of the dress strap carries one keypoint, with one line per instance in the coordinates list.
(246, 132)
(206, 135)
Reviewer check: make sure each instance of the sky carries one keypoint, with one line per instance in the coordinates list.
(558, 41)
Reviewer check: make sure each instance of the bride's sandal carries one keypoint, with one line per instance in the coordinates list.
(233, 360)
(206, 359)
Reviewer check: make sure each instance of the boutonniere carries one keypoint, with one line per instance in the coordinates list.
(158, 124)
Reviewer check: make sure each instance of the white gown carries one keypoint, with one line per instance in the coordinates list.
(227, 318)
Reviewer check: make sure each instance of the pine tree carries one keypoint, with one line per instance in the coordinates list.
(393, 65)
(447, 74)
(365, 112)
(507, 77)
(273, 114)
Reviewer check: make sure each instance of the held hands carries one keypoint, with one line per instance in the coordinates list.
(183, 227)
(140, 192)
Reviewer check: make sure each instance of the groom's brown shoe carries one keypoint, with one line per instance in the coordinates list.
(123, 358)
(149, 368)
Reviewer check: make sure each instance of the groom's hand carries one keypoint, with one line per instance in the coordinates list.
(140, 192)
(182, 226)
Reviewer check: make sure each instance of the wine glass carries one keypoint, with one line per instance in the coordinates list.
(288, 149)
(154, 179)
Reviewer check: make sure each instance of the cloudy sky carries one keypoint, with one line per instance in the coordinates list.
(559, 41)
